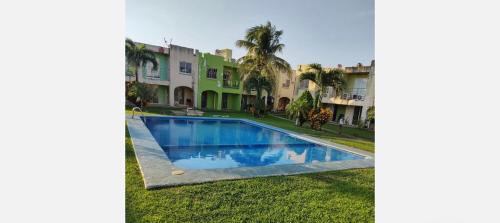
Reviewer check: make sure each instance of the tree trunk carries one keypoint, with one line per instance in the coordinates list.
(137, 73)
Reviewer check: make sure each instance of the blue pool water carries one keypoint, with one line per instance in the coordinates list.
(214, 143)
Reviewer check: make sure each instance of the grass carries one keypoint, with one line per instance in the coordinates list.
(338, 196)
(350, 131)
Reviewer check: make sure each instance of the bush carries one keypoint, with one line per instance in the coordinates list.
(299, 109)
(319, 117)
(140, 93)
(307, 97)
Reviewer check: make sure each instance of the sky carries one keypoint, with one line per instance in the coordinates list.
(328, 32)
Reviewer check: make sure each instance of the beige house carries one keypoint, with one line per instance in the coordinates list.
(175, 79)
(353, 102)
(285, 91)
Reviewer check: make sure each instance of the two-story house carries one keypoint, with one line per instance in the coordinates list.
(285, 90)
(219, 86)
(176, 77)
(357, 96)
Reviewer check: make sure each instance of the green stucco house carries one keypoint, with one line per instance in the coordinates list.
(219, 83)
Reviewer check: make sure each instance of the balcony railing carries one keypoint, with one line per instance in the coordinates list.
(357, 94)
(231, 84)
(363, 69)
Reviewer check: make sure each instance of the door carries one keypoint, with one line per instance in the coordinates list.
(204, 100)
(357, 115)
(224, 101)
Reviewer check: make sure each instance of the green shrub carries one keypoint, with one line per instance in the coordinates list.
(299, 109)
(140, 93)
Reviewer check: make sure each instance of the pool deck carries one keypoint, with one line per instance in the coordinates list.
(158, 171)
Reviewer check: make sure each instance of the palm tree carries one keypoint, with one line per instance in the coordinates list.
(259, 83)
(324, 78)
(263, 43)
(299, 109)
(137, 54)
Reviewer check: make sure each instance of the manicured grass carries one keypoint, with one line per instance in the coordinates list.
(356, 132)
(338, 196)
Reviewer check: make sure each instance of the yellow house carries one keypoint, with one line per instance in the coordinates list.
(353, 102)
(285, 91)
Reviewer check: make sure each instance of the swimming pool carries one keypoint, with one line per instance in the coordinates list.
(208, 143)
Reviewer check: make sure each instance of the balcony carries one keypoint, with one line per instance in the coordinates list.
(362, 69)
(231, 84)
(358, 94)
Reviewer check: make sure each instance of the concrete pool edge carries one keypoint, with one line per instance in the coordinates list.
(157, 170)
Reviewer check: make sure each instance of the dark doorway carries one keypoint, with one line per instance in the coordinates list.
(224, 101)
(204, 99)
(357, 115)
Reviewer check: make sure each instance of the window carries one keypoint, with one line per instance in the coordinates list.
(360, 82)
(227, 75)
(287, 83)
(155, 99)
(304, 84)
(212, 73)
(185, 67)
(150, 72)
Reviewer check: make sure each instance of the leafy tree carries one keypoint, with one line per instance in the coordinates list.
(259, 84)
(370, 116)
(370, 113)
(144, 93)
(324, 78)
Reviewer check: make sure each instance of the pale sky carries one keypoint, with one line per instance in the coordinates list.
(328, 32)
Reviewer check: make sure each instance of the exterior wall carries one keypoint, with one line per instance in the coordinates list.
(206, 61)
(282, 90)
(330, 99)
(298, 90)
(161, 82)
(178, 78)
(352, 73)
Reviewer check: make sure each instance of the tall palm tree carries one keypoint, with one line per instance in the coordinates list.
(259, 83)
(137, 54)
(263, 43)
(324, 78)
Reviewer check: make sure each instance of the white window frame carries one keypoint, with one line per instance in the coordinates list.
(185, 67)
(150, 73)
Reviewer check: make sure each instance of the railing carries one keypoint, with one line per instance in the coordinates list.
(363, 69)
(358, 94)
(137, 108)
(152, 77)
(231, 84)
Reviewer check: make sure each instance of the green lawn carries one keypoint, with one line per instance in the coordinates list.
(337, 196)
(356, 132)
